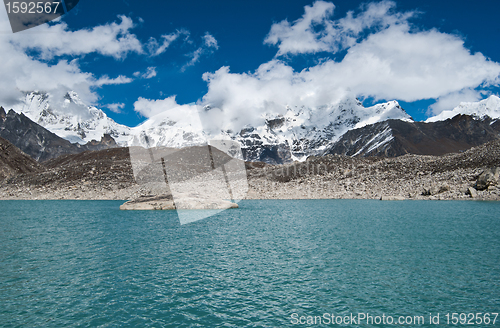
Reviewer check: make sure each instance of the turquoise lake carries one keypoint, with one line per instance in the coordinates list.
(269, 263)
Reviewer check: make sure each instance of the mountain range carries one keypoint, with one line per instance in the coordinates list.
(40, 143)
(349, 128)
(393, 138)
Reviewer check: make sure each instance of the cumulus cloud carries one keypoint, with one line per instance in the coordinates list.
(150, 73)
(149, 108)
(113, 39)
(301, 36)
(47, 58)
(452, 100)
(398, 63)
(316, 32)
(386, 57)
(116, 107)
(37, 59)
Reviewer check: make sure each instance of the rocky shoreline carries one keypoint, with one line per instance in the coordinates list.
(108, 175)
(446, 177)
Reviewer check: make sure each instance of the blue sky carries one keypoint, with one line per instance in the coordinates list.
(128, 56)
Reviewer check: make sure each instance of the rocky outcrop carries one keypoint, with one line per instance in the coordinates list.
(164, 202)
(182, 202)
(471, 192)
(489, 177)
(434, 190)
(392, 198)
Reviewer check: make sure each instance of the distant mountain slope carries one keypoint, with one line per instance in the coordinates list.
(395, 137)
(40, 143)
(13, 161)
(489, 107)
(293, 135)
(303, 132)
(73, 120)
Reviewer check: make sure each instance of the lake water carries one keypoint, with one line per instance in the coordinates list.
(272, 263)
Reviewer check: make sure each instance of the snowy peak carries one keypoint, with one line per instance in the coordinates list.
(486, 107)
(294, 134)
(397, 137)
(383, 112)
(71, 119)
(310, 131)
(177, 127)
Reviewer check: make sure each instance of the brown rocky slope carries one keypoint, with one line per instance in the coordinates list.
(107, 174)
(13, 161)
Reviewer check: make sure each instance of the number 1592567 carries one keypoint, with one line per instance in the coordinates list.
(32, 7)
(471, 318)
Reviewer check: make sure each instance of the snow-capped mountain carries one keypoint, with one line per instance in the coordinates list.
(487, 107)
(299, 133)
(310, 131)
(393, 138)
(177, 128)
(73, 120)
(307, 131)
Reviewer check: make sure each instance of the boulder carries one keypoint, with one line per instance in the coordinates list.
(489, 177)
(392, 198)
(193, 203)
(472, 192)
(163, 202)
(434, 190)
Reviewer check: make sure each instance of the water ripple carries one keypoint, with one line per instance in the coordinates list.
(87, 264)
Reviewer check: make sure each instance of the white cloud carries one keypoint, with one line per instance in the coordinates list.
(209, 41)
(149, 108)
(300, 37)
(244, 98)
(23, 73)
(116, 108)
(386, 58)
(397, 63)
(150, 73)
(452, 100)
(112, 39)
(316, 32)
(208, 46)
(105, 80)
(48, 58)
(156, 49)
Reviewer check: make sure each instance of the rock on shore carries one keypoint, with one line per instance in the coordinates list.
(184, 202)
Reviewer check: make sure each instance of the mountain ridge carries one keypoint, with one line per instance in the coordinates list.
(294, 135)
(13, 161)
(394, 138)
(40, 143)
